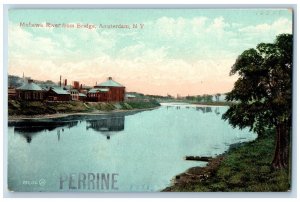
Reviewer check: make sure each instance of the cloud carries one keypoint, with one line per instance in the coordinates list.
(22, 42)
(57, 45)
(190, 38)
(282, 25)
(143, 53)
(185, 28)
(219, 24)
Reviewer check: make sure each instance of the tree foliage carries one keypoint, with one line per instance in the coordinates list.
(263, 91)
(200, 98)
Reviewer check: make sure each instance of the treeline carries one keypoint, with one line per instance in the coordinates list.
(141, 95)
(205, 98)
(200, 98)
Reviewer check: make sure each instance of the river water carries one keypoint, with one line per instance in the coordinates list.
(142, 150)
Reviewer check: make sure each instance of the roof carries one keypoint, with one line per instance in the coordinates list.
(47, 85)
(82, 95)
(110, 83)
(45, 88)
(59, 91)
(30, 86)
(95, 90)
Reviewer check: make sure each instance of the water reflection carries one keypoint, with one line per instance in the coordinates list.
(217, 111)
(204, 109)
(28, 129)
(107, 126)
(176, 107)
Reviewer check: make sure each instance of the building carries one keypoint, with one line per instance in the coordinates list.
(98, 95)
(74, 94)
(12, 94)
(82, 97)
(76, 85)
(58, 94)
(84, 89)
(30, 91)
(108, 91)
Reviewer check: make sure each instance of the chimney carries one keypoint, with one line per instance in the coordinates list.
(66, 82)
(30, 81)
(80, 86)
(60, 81)
(109, 78)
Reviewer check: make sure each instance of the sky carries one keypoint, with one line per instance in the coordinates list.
(172, 51)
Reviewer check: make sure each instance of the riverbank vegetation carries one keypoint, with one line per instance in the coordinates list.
(16, 108)
(245, 168)
(263, 93)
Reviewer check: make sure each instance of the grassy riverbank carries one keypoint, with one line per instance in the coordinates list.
(242, 169)
(22, 108)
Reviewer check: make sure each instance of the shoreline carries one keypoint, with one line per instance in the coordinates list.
(188, 104)
(196, 174)
(214, 104)
(61, 115)
(204, 104)
(244, 167)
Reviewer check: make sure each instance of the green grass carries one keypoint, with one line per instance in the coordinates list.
(245, 169)
(125, 106)
(138, 104)
(102, 106)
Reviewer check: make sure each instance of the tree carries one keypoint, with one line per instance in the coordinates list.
(262, 94)
(217, 96)
(207, 98)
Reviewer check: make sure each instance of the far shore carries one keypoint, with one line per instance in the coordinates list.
(60, 115)
(202, 104)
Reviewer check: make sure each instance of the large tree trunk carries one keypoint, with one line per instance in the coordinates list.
(281, 157)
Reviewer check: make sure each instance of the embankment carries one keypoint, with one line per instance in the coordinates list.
(246, 168)
(43, 108)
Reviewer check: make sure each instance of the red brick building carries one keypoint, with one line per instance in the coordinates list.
(58, 94)
(30, 92)
(108, 91)
(12, 94)
(82, 97)
(76, 85)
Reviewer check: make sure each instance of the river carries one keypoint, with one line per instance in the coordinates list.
(143, 150)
